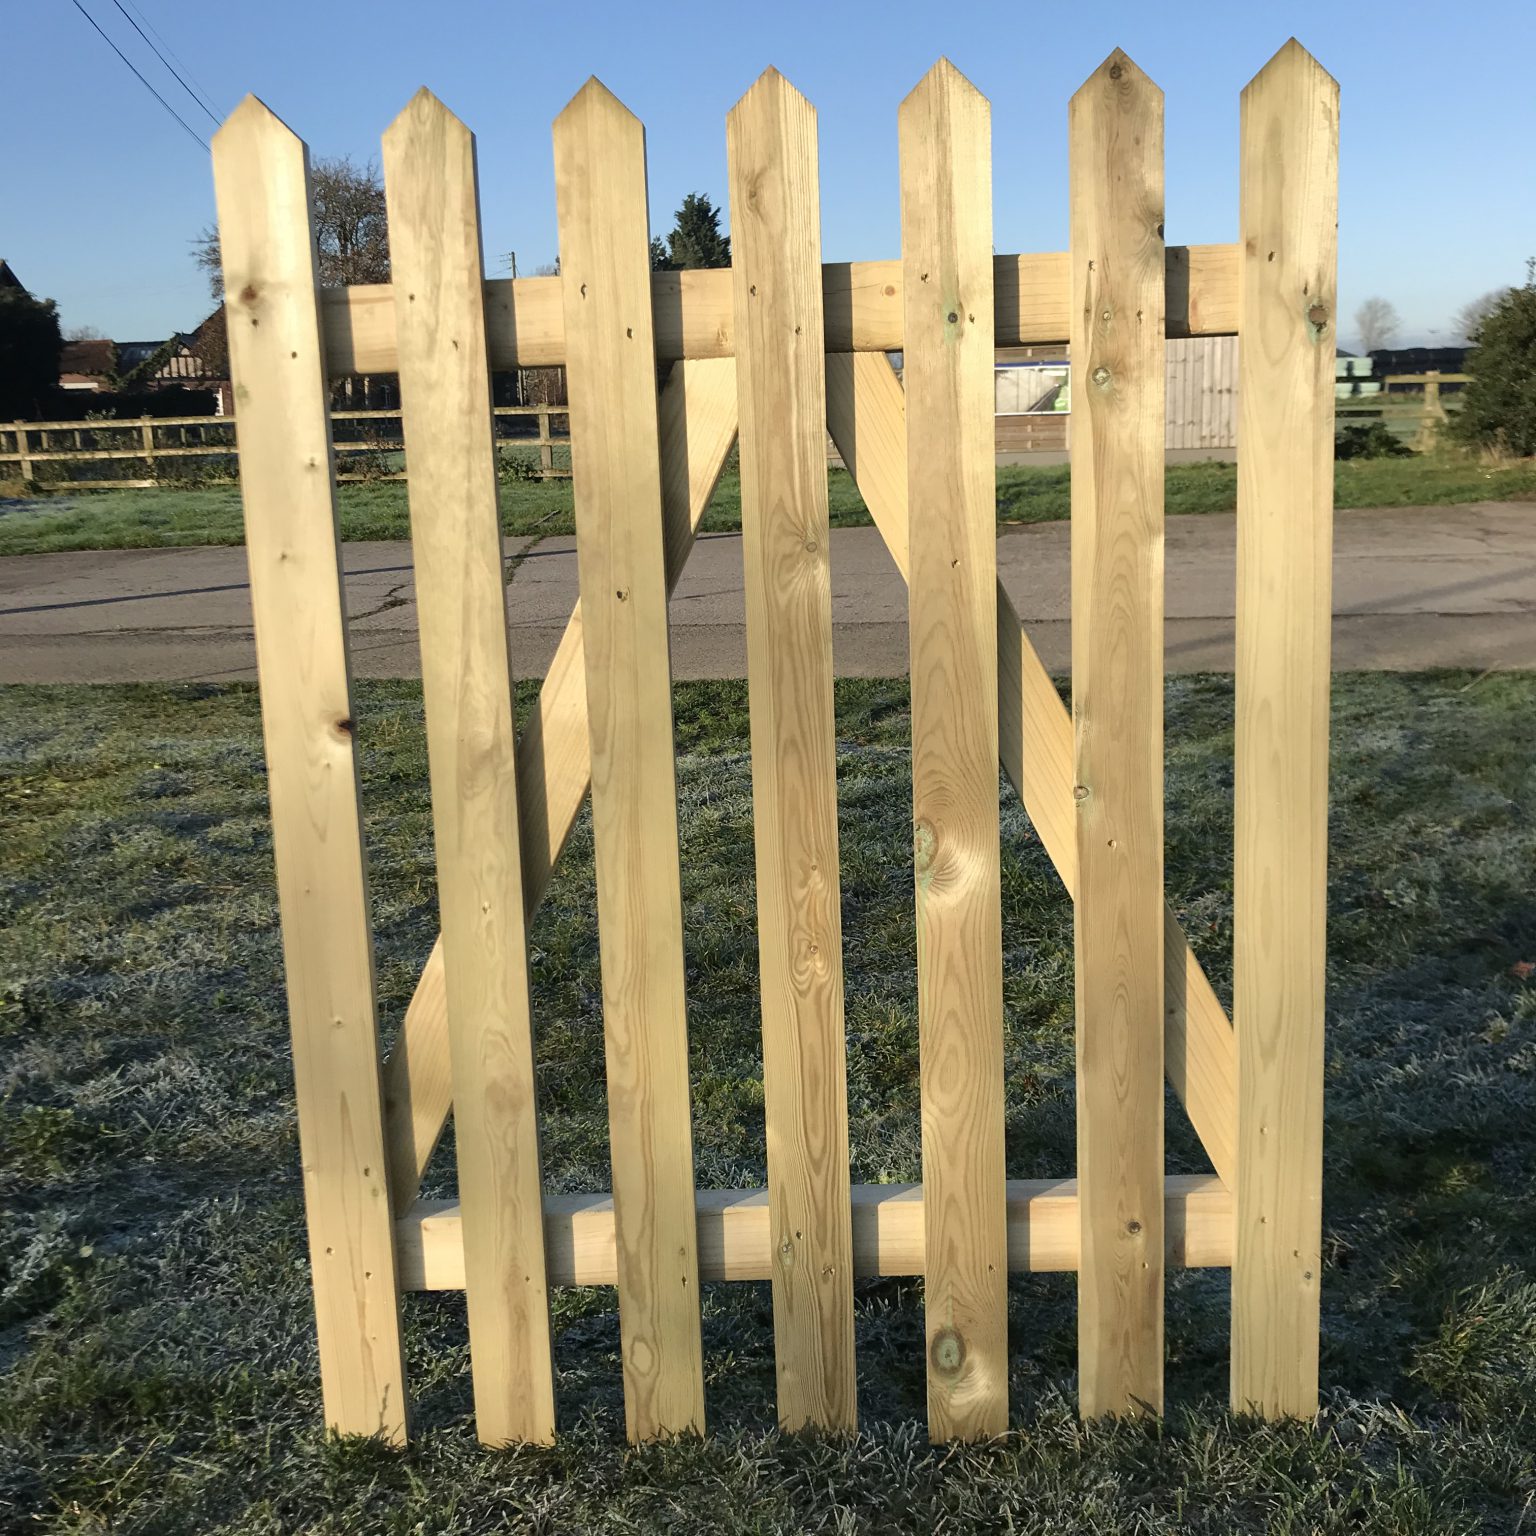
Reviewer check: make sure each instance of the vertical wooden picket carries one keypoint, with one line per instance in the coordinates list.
(781, 384)
(261, 178)
(946, 235)
(1290, 138)
(434, 233)
(1118, 266)
(611, 372)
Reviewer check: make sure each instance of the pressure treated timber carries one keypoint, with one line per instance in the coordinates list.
(554, 762)
(694, 311)
(866, 416)
(735, 1233)
(945, 132)
(1289, 198)
(781, 381)
(445, 393)
(1115, 143)
(604, 231)
(261, 179)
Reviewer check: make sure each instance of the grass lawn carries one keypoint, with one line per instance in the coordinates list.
(377, 510)
(157, 1360)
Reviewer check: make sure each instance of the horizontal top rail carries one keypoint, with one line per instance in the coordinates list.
(117, 424)
(693, 315)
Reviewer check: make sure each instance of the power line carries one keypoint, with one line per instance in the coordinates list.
(164, 42)
(213, 116)
(145, 83)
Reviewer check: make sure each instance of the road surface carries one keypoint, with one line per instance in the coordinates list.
(1413, 587)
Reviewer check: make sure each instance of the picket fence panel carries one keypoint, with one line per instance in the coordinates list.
(783, 350)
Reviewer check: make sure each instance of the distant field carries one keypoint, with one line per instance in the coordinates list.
(157, 518)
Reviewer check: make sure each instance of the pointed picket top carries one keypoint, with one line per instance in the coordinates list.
(1118, 73)
(942, 83)
(261, 189)
(595, 103)
(253, 119)
(1291, 61)
(423, 113)
(771, 87)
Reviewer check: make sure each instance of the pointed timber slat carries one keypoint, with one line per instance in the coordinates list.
(445, 397)
(615, 456)
(776, 245)
(1289, 193)
(261, 178)
(1116, 145)
(946, 229)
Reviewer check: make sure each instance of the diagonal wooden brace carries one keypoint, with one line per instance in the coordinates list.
(866, 415)
(554, 764)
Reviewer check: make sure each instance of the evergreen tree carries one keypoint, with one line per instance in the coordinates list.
(1498, 408)
(30, 344)
(695, 240)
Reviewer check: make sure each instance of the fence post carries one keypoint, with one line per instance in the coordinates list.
(1434, 412)
(147, 437)
(1289, 218)
(261, 180)
(24, 464)
(546, 447)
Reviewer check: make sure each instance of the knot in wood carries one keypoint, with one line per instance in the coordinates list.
(947, 1353)
(923, 846)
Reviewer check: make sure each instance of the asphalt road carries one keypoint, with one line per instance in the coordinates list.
(1413, 587)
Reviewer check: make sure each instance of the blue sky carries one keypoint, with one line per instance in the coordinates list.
(104, 192)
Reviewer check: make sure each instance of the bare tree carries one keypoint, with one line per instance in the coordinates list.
(1469, 318)
(351, 230)
(84, 333)
(1377, 323)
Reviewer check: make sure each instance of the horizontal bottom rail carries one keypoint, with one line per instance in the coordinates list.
(735, 1237)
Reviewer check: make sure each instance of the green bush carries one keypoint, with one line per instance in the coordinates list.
(1370, 440)
(1498, 407)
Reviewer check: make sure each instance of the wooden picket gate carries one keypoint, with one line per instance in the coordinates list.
(776, 350)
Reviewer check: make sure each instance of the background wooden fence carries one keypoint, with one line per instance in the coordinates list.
(155, 444)
(780, 349)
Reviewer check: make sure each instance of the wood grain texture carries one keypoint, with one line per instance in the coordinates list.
(944, 128)
(604, 256)
(445, 398)
(1116, 148)
(1290, 144)
(781, 385)
(261, 177)
(866, 415)
(554, 762)
(695, 316)
(736, 1233)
